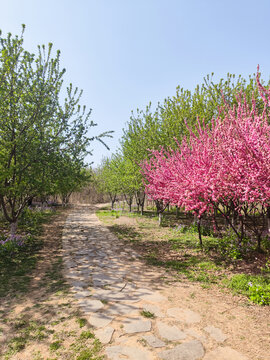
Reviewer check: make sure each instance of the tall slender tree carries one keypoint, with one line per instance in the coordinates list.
(36, 131)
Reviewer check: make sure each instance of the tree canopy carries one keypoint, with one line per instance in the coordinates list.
(42, 139)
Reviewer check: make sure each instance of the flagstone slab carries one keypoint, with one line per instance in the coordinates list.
(78, 285)
(100, 320)
(154, 310)
(82, 294)
(103, 279)
(153, 341)
(105, 335)
(70, 264)
(110, 295)
(192, 350)
(121, 309)
(86, 273)
(122, 286)
(170, 332)
(194, 333)
(117, 286)
(90, 305)
(137, 325)
(184, 315)
(215, 333)
(73, 275)
(119, 352)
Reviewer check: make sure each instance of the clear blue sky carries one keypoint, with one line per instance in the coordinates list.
(125, 53)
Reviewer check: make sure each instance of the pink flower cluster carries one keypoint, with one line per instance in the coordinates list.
(225, 163)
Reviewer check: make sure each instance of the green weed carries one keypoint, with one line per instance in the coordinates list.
(147, 314)
(256, 287)
(82, 322)
(55, 345)
(87, 335)
(105, 302)
(26, 331)
(81, 347)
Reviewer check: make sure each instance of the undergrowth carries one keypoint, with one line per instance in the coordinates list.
(207, 265)
(18, 259)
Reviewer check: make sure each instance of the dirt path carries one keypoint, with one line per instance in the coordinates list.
(139, 312)
(44, 322)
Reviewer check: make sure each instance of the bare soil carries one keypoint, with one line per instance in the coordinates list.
(45, 322)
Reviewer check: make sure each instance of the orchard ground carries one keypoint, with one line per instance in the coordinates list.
(42, 320)
(39, 318)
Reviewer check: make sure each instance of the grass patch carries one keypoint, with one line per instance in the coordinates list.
(176, 247)
(126, 233)
(15, 270)
(103, 213)
(16, 266)
(195, 268)
(87, 355)
(54, 280)
(32, 220)
(25, 331)
(82, 322)
(147, 314)
(55, 345)
(87, 335)
(255, 287)
(82, 351)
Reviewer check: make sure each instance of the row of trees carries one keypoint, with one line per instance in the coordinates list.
(178, 119)
(220, 168)
(116, 177)
(43, 140)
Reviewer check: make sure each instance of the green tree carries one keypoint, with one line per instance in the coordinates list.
(72, 178)
(36, 131)
(142, 133)
(186, 107)
(106, 179)
(148, 130)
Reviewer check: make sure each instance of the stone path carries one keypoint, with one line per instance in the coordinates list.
(115, 290)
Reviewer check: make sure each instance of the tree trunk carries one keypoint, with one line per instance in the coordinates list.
(159, 218)
(142, 207)
(140, 198)
(113, 198)
(30, 201)
(242, 227)
(234, 218)
(228, 221)
(198, 222)
(259, 242)
(129, 200)
(13, 227)
(215, 222)
(268, 220)
(160, 209)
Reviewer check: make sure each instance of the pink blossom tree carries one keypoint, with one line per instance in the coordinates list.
(223, 167)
